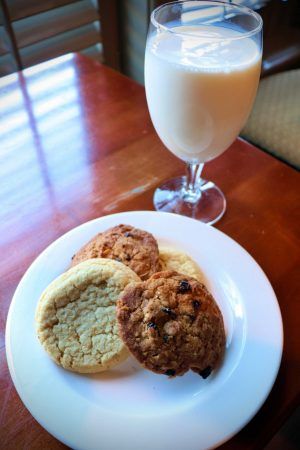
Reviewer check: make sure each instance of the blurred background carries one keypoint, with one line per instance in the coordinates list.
(114, 32)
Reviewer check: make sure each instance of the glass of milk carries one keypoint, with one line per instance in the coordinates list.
(202, 68)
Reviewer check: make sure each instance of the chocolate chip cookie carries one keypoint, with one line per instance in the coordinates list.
(133, 247)
(171, 324)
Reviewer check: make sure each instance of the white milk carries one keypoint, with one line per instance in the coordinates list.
(199, 90)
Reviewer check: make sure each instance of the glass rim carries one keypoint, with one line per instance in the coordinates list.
(235, 6)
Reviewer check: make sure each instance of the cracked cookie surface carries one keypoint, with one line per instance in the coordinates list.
(76, 316)
(171, 324)
(173, 259)
(133, 247)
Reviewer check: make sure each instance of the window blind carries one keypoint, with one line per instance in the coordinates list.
(7, 62)
(45, 29)
(134, 27)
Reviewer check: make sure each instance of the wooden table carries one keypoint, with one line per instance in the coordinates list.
(76, 143)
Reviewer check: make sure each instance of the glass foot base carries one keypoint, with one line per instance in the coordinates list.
(208, 208)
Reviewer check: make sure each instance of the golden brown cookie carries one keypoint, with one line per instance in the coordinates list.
(76, 316)
(173, 259)
(171, 324)
(133, 247)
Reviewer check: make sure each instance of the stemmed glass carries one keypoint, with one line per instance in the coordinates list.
(202, 68)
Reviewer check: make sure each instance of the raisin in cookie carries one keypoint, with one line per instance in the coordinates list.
(135, 248)
(171, 324)
(173, 259)
(76, 316)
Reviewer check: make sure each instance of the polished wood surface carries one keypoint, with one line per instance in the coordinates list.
(76, 143)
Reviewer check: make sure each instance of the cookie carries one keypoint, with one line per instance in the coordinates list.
(171, 324)
(135, 248)
(76, 316)
(172, 259)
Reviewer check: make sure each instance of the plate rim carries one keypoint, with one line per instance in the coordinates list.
(64, 236)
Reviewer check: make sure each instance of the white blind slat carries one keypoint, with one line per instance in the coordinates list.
(25, 8)
(45, 25)
(71, 41)
(45, 29)
(4, 42)
(95, 52)
(135, 20)
(7, 65)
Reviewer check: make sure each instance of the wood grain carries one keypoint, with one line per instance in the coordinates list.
(77, 143)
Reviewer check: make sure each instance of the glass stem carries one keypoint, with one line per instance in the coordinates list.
(192, 191)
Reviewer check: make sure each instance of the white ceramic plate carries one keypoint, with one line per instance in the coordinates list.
(132, 408)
